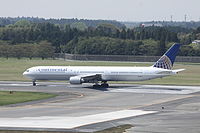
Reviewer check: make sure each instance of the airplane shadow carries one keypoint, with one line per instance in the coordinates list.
(100, 88)
(132, 87)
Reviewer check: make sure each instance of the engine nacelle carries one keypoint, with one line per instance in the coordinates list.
(76, 80)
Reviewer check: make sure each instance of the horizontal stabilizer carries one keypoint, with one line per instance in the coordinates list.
(178, 70)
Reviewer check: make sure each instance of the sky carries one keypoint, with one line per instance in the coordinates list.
(121, 10)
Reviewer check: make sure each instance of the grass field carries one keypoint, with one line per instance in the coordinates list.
(7, 97)
(118, 129)
(12, 69)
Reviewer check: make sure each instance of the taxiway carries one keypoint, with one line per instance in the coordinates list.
(149, 108)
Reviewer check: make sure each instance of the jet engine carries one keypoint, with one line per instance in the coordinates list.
(76, 80)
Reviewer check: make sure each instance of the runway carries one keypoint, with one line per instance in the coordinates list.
(149, 108)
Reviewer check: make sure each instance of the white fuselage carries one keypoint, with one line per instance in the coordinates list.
(107, 73)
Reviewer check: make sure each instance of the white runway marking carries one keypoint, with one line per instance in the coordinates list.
(15, 85)
(28, 84)
(69, 122)
(161, 89)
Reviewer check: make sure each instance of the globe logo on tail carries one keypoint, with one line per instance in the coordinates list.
(164, 62)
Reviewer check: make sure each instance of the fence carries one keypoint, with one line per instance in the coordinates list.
(192, 59)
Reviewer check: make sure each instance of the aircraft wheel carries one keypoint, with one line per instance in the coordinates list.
(34, 84)
(105, 85)
(96, 86)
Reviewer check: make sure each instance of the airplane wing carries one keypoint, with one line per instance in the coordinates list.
(88, 78)
(91, 77)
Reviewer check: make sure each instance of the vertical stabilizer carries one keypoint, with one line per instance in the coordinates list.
(167, 60)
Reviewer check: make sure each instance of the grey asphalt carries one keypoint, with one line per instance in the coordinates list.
(178, 107)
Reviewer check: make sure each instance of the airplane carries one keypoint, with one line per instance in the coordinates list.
(99, 75)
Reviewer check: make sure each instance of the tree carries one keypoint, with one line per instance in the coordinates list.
(44, 50)
(162, 46)
(123, 34)
(29, 50)
(22, 23)
(5, 50)
(17, 51)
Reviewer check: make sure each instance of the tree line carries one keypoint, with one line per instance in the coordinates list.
(114, 46)
(42, 50)
(89, 23)
(182, 24)
(29, 39)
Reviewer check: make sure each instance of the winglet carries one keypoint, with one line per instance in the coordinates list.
(167, 60)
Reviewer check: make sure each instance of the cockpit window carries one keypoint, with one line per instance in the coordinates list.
(27, 70)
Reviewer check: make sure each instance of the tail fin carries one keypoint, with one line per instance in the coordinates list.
(167, 60)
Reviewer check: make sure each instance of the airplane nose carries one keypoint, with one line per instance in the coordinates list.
(24, 73)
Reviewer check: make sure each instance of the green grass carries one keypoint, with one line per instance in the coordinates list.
(12, 69)
(13, 97)
(118, 129)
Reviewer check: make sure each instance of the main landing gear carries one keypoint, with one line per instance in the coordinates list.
(103, 84)
(34, 84)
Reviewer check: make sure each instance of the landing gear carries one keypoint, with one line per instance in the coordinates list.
(96, 86)
(103, 84)
(34, 84)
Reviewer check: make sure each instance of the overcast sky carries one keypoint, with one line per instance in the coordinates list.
(122, 10)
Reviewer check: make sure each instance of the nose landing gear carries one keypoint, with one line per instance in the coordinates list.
(34, 84)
